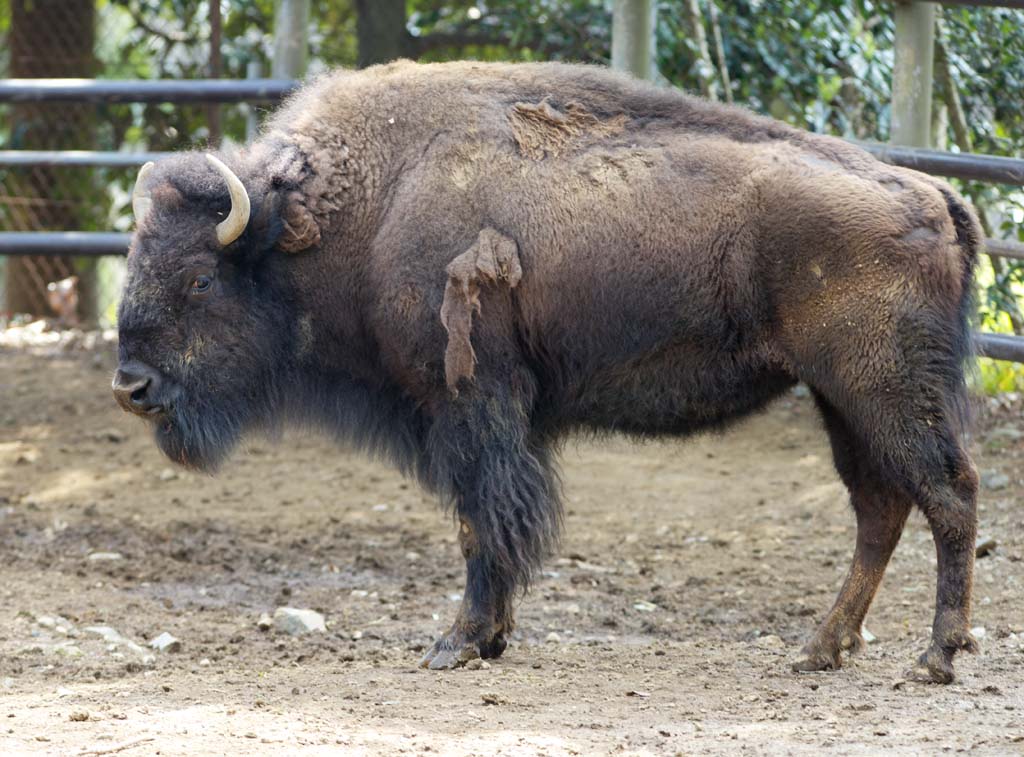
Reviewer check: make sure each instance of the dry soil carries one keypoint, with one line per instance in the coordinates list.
(689, 576)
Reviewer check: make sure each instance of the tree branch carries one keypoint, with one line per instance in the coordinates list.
(167, 36)
(705, 68)
(716, 33)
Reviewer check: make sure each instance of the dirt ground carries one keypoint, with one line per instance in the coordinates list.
(689, 576)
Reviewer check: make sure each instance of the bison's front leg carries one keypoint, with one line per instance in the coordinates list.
(505, 498)
(485, 616)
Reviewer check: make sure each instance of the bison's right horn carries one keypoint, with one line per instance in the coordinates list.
(231, 228)
(142, 203)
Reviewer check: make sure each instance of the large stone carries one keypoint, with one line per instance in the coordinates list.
(295, 621)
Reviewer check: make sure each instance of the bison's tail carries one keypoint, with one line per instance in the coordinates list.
(969, 236)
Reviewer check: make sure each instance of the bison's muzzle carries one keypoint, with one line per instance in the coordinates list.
(139, 389)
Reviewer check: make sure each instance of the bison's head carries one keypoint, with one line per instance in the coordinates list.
(204, 322)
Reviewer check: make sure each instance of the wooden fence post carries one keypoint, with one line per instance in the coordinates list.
(912, 74)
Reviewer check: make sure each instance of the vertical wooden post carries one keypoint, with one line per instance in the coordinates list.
(291, 39)
(633, 27)
(912, 74)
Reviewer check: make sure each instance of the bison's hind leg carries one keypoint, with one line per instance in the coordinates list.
(881, 512)
(897, 433)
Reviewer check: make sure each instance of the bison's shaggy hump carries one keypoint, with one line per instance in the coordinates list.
(541, 129)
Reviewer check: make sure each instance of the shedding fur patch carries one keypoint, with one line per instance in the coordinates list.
(492, 259)
(541, 130)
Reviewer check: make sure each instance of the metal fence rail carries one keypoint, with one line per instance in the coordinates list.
(78, 243)
(1018, 4)
(65, 158)
(143, 91)
(967, 166)
(1000, 346)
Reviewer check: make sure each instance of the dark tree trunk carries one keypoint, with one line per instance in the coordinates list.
(49, 38)
(381, 32)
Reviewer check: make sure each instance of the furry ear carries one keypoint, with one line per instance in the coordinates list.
(300, 230)
(282, 222)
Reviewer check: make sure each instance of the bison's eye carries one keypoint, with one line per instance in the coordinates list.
(201, 284)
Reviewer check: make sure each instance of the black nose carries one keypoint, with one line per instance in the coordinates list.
(136, 387)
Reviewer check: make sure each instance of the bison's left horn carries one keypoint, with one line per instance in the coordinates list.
(231, 228)
(142, 203)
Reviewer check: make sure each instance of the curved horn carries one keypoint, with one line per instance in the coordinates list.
(231, 228)
(142, 203)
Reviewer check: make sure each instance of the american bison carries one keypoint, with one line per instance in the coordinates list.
(457, 265)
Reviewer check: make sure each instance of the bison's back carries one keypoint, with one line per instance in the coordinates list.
(675, 252)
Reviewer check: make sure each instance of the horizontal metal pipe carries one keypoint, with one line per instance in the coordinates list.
(145, 90)
(1004, 248)
(1019, 4)
(64, 243)
(113, 243)
(1000, 346)
(959, 165)
(77, 158)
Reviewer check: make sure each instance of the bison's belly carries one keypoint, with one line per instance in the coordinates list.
(681, 391)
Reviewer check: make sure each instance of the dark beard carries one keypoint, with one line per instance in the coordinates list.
(199, 439)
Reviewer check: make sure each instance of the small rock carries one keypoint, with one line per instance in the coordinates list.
(553, 638)
(205, 662)
(265, 623)
(111, 435)
(113, 638)
(294, 621)
(28, 457)
(67, 650)
(165, 643)
(63, 691)
(492, 699)
(770, 641)
(644, 606)
(978, 632)
(869, 638)
(167, 474)
(108, 634)
(985, 547)
(640, 694)
(105, 556)
(477, 664)
(79, 716)
(994, 480)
